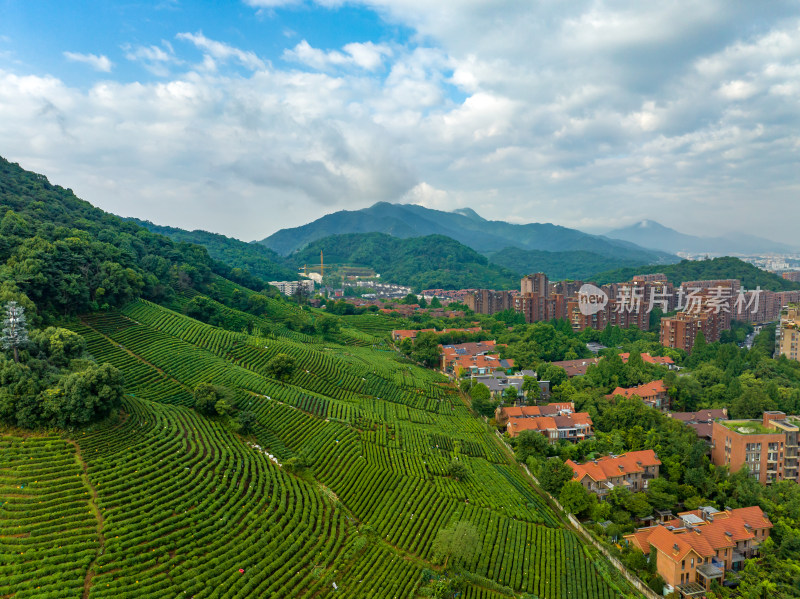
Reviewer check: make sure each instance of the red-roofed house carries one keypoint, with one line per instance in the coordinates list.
(632, 470)
(555, 421)
(654, 394)
(699, 546)
(474, 358)
(648, 359)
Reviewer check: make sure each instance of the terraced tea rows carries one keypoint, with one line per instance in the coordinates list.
(187, 506)
(48, 533)
(379, 434)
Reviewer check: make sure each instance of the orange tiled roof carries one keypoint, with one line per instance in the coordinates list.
(663, 360)
(547, 410)
(542, 423)
(547, 423)
(705, 538)
(610, 467)
(646, 391)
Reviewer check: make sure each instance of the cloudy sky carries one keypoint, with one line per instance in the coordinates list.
(247, 117)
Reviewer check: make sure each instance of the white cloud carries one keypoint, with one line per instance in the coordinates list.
(367, 56)
(221, 52)
(156, 59)
(527, 111)
(98, 63)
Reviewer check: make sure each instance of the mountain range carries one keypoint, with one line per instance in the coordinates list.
(651, 234)
(465, 226)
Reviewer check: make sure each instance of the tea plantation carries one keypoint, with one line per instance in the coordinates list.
(161, 501)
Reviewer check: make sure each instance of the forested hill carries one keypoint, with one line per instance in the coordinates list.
(465, 226)
(59, 255)
(258, 259)
(695, 270)
(578, 265)
(434, 261)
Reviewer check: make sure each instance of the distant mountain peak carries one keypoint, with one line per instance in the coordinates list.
(651, 234)
(469, 213)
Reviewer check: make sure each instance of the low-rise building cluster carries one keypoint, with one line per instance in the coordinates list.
(700, 546)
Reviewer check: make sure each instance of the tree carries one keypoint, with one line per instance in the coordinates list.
(576, 499)
(510, 394)
(84, 396)
(555, 374)
(457, 470)
(459, 541)
(530, 386)
(15, 329)
(246, 422)
(531, 443)
(410, 299)
(480, 400)
(435, 303)
(554, 474)
(426, 350)
(280, 367)
(328, 325)
(205, 399)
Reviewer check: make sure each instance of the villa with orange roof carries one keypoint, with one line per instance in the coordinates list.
(648, 359)
(555, 421)
(699, 546)
(476, 358)
(632, 471)
(654, 394)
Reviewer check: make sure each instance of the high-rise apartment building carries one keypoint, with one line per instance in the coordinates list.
(488, 301)
(787, 335)
(768, 448)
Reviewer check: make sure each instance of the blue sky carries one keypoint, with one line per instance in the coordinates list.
(243, 117)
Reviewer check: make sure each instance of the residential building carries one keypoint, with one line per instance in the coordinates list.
(787, 334)
(576, 367)
(566, 288)
(537, 301)
(615, 313)
(701, 421)
(474, 358)
(537, 283)
(768, 448)
(289, 288)
(648, 359)
(633, 471)
(680, 331)
(792, 275)
(650, 278)
(556, 421)
(653, 394)
(700, 546)
(400, 334)
(498, 382)
(488, 301)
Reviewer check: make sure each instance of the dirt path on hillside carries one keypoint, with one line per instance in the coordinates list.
(93, 505)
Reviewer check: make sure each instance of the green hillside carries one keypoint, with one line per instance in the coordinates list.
(145, 453)
(258, 259)
(696, 270)
(575, 265)
(434, 261)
